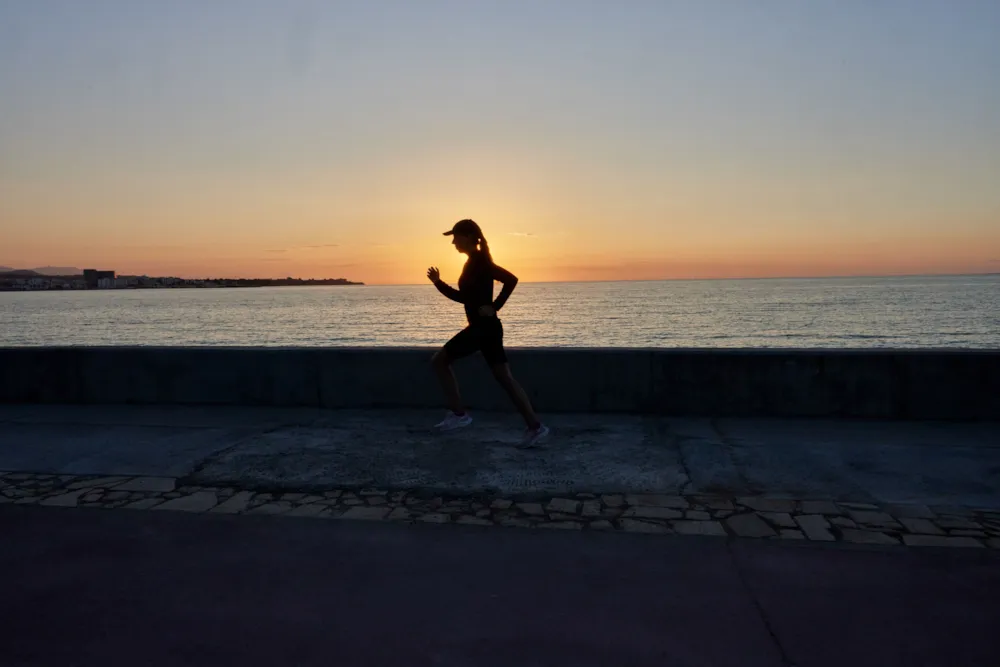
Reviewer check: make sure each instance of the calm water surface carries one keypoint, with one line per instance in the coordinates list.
(953, 311)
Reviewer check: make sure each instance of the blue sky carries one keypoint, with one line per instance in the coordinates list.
(646, 139)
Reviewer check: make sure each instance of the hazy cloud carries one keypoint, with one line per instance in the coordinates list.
(993, 261)
(304, 247)
(523, 234)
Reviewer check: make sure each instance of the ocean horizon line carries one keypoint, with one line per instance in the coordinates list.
(627, 280)
(729, 279)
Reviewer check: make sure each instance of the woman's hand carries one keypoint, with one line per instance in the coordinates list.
(487, 311)
(433, 274)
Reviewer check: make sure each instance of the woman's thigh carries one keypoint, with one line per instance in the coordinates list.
(462, 344)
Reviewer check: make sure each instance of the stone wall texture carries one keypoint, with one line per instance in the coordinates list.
(889, 384)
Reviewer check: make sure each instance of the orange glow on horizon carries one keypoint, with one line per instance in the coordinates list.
(533, 259)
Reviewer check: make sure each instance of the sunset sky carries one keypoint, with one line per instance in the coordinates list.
(592, 140)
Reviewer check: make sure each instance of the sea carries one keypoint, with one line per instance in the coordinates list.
(898, 312)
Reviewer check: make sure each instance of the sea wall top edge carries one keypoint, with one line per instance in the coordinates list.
(727, 351)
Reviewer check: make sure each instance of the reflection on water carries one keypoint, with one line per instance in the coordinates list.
(960, 311)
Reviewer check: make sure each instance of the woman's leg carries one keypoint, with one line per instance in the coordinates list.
(462, 344)
(501, 372)
(446, 376)
(496, 357)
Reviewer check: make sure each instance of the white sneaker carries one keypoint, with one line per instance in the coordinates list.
(453, 421)
(534, 436)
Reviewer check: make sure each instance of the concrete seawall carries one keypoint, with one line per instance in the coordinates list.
(892, 384)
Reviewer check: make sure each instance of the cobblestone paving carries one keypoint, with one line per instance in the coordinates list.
(757, 517)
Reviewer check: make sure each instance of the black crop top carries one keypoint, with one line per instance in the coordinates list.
(475, 286)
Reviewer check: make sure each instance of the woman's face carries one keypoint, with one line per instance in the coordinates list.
(464, 244)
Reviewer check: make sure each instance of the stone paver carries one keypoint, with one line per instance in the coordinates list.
(862, 523)
(780, 519)
(613, 500)
(278, 507)
(870, 518)
(920, 526)
(533, 509)
(657, 500)
(969, 533)
(64, 500)
(199, 501)
(749, 525)
(716, 503)
(815, 527)
(954, 523)
(236, 504)
(768, 504)
(868, 537)
(713, 528)
(940, 541)
(563, 505)
(634, 526)
(154, 484)
(653, 513)
(103, 482)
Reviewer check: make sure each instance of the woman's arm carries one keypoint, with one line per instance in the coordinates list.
(448, 290)
(509, 281)
(435, 277)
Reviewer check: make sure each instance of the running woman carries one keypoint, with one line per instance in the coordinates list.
(484, 332)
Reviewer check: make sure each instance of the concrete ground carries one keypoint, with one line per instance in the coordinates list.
(85, 587)
(82, 586)
(882, 462)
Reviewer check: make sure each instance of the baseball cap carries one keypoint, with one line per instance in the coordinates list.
(465, 228)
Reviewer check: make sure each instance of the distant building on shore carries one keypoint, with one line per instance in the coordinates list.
(93, 277)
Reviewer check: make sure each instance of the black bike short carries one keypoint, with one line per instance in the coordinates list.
(484, 335)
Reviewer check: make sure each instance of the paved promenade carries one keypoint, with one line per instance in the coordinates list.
(288, 537)
(921, 484)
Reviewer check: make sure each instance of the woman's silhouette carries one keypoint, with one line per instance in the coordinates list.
(484, 332)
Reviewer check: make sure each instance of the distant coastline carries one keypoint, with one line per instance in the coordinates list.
(31, 280)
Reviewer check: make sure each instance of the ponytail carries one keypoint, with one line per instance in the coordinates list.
(484, 248)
